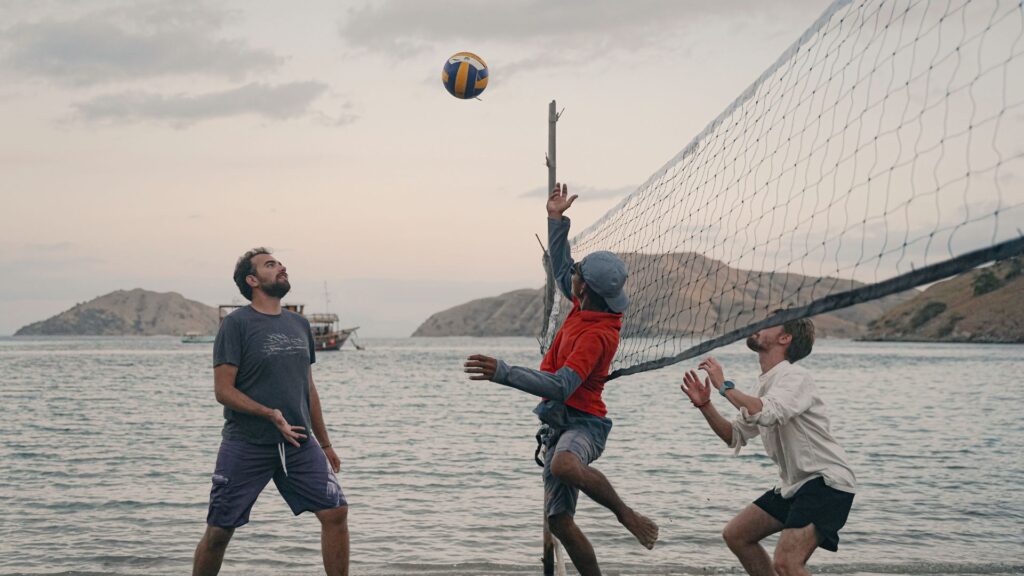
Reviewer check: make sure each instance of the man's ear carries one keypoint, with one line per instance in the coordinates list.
(252, 281)
(581, 294)
(785, 338)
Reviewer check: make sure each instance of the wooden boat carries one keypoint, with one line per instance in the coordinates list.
(197, 338)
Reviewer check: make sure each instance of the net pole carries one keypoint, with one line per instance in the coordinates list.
(551, 301)
(552, 122)
(549, 557)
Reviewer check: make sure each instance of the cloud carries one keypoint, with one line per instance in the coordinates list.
(131, 42)
(586, 193)
(275, 102)
(404, 27)
(343, 117)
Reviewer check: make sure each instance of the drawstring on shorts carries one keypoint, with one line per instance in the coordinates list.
(280, 452)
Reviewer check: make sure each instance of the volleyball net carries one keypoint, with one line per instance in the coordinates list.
(882, 151)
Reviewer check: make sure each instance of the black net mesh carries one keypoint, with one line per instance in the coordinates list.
(881, 152)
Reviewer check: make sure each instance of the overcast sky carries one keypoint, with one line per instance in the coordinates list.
(148, 144)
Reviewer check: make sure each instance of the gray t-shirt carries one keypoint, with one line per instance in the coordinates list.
(273, 355)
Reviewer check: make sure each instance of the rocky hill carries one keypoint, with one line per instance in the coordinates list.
(983, 305)
(694, 281)
(129, 313)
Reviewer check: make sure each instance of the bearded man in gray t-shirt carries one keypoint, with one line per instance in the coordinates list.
(262, 375)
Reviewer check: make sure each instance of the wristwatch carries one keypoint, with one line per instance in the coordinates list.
(726, 386)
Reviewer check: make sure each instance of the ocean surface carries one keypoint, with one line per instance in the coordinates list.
(107, 446)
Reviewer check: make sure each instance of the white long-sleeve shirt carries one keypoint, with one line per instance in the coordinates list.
(795, 431)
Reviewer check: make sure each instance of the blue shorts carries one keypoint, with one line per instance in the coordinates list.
(585, 437)
(243, 470)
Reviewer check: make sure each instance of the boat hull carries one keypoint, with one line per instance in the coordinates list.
(331, 340)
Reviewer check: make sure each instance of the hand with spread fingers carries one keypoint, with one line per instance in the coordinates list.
(714, 370)
(480, 367)
(291, 433)
(698, 393)
(559, 201)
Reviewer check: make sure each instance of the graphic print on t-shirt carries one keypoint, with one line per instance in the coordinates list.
(276, 344)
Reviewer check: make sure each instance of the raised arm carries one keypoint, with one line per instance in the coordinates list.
(716, 373)
(735, 433)
(700, 396)
(558, 238)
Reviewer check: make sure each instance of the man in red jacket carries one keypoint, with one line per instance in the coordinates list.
(570, 382)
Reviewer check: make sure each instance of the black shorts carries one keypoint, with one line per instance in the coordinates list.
(814, 503)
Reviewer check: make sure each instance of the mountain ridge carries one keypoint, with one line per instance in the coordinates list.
(134, 312)
(694, 281)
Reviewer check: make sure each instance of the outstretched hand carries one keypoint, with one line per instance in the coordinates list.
(714, 370)
(698, 393)
(291, 433)
(559, 201)
(480, 367)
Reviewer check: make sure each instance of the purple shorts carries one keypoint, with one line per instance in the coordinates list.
(304, 479)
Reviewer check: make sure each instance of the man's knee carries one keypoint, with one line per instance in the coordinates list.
(735, 536)
(787, 563)
(565, 466)
(794, 549)
(730, 536)
(561, 525)
(334, 518)
(217, 537)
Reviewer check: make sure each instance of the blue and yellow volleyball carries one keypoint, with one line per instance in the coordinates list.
(464, 75)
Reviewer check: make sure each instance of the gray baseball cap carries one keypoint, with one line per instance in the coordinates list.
(606, 274)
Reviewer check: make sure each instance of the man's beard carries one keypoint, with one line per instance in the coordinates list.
(753, 344)
(277, 289)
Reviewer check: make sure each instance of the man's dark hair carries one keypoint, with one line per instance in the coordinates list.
(244, 268)
(802, 331)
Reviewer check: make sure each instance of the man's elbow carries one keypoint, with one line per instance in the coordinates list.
(569, 382)
(221, 393)
(560, 395)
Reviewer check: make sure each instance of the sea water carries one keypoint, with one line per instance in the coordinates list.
(107, 446)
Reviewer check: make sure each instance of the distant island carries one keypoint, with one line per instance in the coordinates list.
(129, 313)
(519, 313)
(982, 305)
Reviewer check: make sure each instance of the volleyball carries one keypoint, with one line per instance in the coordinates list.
(464, 75)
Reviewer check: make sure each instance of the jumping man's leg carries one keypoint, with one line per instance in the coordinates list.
(743, 535)
(334, 540)
(568, 468)
(794, 550)
(210, 551)
(576, 544)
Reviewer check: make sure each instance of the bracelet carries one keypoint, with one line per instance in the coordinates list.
(706, 402)
(325, 446)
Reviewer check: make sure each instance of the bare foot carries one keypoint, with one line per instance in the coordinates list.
(645, 530)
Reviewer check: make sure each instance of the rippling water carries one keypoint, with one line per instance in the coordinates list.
(107, 446)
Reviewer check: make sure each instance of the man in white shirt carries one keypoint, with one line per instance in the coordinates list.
(812, 499)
